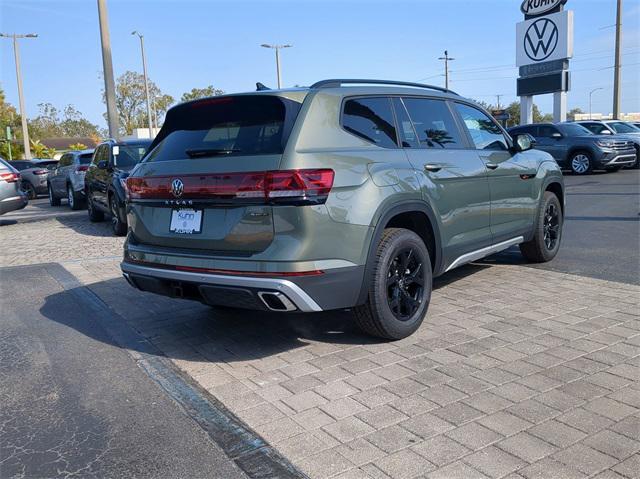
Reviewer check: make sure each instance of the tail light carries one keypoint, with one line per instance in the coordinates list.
(81, 168)
(281, 186)
(10, 176)
(40, 172)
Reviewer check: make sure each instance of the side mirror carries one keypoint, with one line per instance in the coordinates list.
(103, 165)
(556, 135)
(523, 142)
(606, 132)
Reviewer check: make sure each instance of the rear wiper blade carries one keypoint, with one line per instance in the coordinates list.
(198, 152)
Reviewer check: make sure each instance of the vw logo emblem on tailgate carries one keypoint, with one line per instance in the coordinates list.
(541, 39)
(177, 187)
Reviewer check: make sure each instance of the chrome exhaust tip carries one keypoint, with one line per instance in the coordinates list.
(275, 301)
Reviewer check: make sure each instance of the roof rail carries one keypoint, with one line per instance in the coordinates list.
(336, 82)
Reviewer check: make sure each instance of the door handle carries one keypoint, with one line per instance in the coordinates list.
(432, 168)
(491, 166)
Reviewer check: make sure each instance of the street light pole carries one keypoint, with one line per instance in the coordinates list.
(618, 63)
(146, 81)
(23, 113)
(591, 93)
(107, 66)
(277, 49)
(446, 59)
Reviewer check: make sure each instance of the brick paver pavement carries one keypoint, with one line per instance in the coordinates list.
(516, 372)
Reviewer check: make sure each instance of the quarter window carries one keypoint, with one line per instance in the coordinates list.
(484, 131)
(371, 119)
(433, 123)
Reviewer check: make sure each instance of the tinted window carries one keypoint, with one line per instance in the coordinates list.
(225, 126)
(66, 160)
(531, 130)
(433, 123)
(130, 155)
(620, 127)
(408, 136)
(571, 129)
(484, 131)
(21, 165)
(596, 128)
(547, 131)
(371, 119)
(85, 158)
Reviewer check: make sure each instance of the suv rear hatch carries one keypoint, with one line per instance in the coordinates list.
(202, 185)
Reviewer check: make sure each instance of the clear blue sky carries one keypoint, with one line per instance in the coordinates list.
(197, 43)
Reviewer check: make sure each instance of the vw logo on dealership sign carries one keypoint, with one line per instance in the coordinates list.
(177, 187)
(541, 39)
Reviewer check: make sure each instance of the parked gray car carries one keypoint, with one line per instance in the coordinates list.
(620, 129)
(349, 194)
(577, 149)
(11, 195)
(34, 174)
(67, 179)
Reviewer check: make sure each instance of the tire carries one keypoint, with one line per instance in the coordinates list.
(30, 190)
(75, 201)
(581, 163)
(396, 302)
(545, 243)
(118, 226)
(53, 200)
(95, 215)
(636, 165)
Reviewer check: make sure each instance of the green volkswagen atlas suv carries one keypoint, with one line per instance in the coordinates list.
(349, 194)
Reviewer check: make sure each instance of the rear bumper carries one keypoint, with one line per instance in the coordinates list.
(13, 203)
(334, 289)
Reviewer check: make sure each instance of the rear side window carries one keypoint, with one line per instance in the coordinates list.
(433, 123)
(484, 131)
(226, 126)
(85, 158)
(370, 119)
(130, 155)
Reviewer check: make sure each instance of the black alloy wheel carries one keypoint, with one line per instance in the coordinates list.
(551, 226)
(405, 284)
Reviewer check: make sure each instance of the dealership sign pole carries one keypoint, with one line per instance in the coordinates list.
(544, 45)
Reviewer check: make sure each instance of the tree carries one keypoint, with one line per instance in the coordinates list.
(573, 112)
(78, 146)
(9, 118)
(196, 93)
(131, 102)
(41, 151)
(514, 113)
(49, 123)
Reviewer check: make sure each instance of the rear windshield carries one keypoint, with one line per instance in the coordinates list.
(85, 158)
(244, 125)
(130, 155)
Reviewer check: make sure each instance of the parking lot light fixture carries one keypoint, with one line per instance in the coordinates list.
(277, 49)
(146, 81)
(23, 113)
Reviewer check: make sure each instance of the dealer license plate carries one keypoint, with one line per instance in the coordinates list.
(186, 221)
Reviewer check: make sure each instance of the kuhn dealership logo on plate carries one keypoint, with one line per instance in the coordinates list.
(538, 7)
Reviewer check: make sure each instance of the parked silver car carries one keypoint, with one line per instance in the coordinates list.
(67, 180)
(34, 174)
(11, 195)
